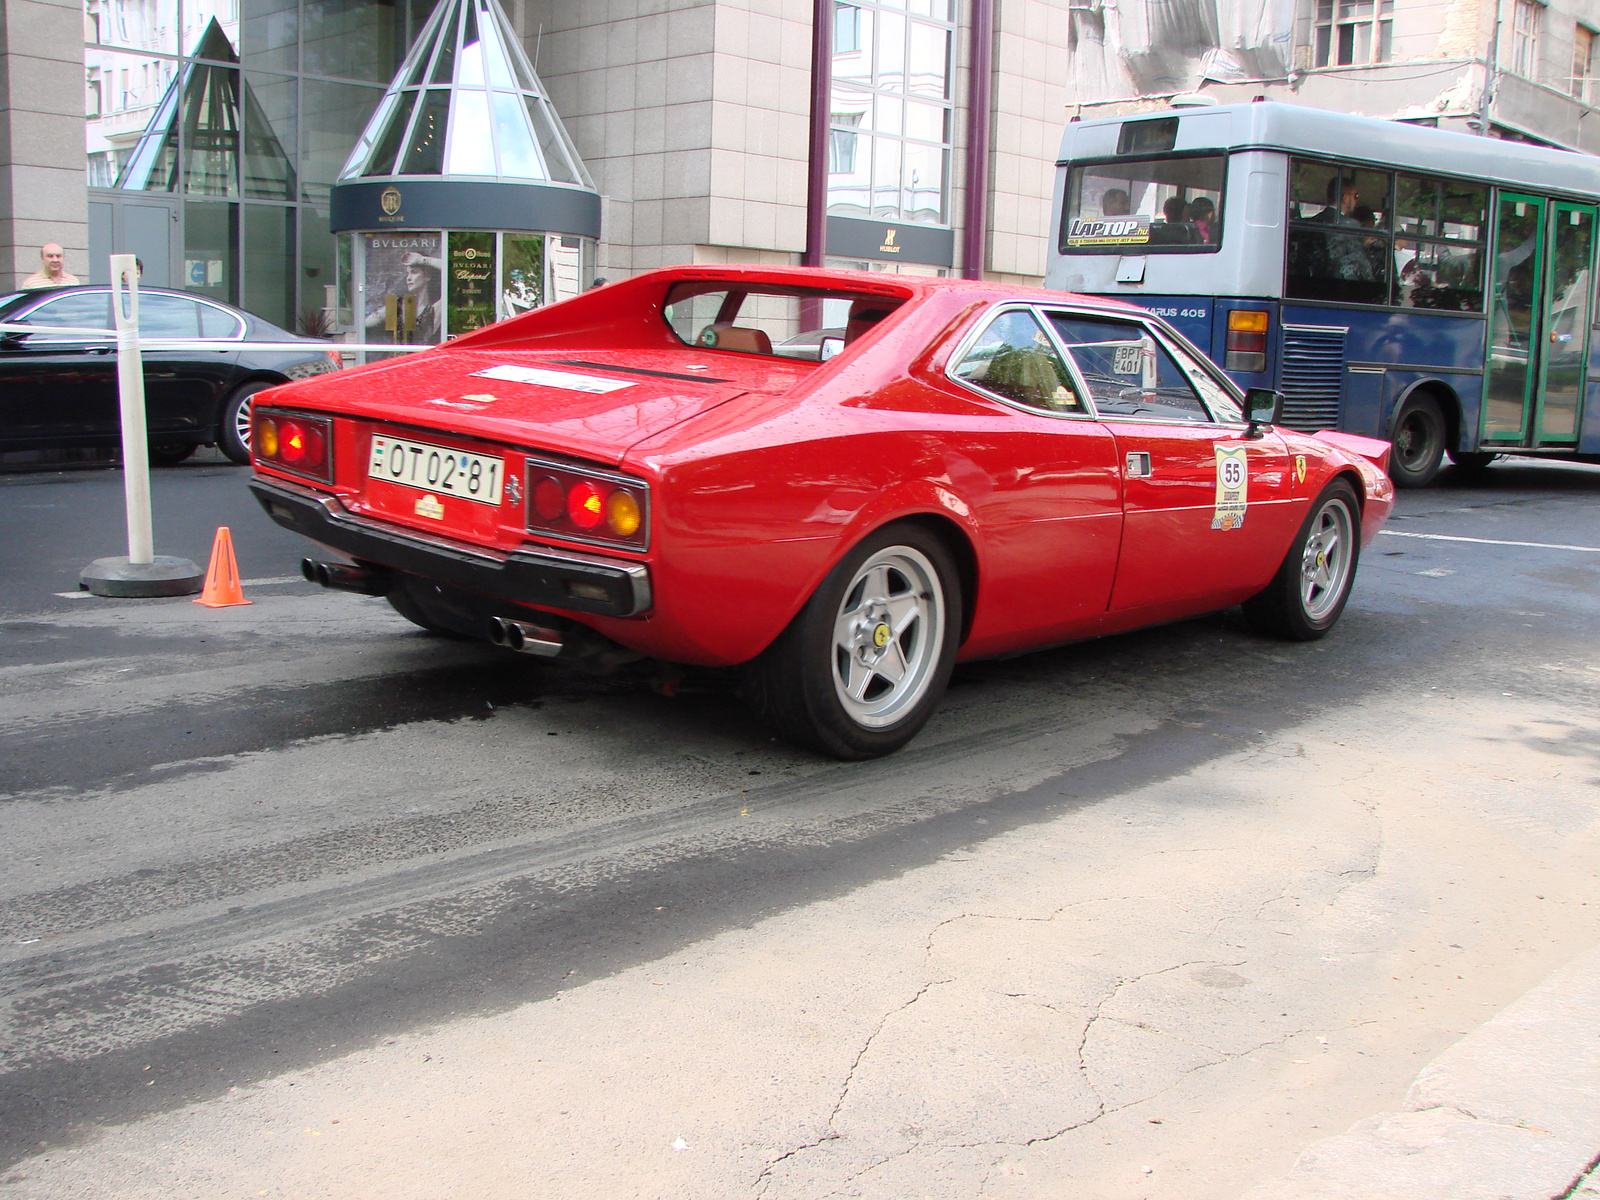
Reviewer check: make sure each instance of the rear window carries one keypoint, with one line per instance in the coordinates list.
(801, 323)
(1166, 205)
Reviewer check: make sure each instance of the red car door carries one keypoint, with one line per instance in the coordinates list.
(1208, 513)
(1042, 477)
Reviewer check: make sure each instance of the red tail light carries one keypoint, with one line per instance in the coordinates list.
(588, 506)
(293, 442)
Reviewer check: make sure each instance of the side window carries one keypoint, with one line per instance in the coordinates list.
(1128, 372)
(1217, 398)
(1013, 359)
(218, 322)
(1339, 222)
(86, 310)
(168, 316)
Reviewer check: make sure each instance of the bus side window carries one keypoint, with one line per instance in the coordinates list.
(1338, 250)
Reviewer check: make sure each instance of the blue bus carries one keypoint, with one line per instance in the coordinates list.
(1426, 287)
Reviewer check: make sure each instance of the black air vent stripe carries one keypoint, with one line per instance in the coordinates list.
(578, 362)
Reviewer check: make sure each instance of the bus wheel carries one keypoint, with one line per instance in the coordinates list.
(1418, 443)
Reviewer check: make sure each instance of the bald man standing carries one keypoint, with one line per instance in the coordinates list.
(52, 270)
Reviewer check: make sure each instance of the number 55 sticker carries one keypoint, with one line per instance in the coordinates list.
(1233, 488)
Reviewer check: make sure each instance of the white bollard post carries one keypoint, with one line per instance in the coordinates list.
(130, 390)
(143, 572)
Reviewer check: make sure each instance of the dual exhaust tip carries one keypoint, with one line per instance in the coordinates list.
(346, 577)
(525, 637)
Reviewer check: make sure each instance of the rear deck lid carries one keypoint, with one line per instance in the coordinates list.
(592, 404)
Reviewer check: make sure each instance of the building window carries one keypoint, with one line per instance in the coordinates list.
(1583, 63)
(846, 29)
(889, 156)
(1527, 22)
(1353, 32)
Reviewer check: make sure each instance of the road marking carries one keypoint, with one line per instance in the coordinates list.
(268, 581)
(1446, 537)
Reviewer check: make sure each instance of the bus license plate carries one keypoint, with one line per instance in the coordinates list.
(438, 469)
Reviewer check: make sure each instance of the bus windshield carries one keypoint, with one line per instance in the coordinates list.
(1171, 204)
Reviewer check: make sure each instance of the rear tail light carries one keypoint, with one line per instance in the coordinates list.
(293, 442)
(1247, 340)
(588, 506)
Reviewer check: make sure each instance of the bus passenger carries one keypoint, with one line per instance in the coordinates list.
(1204, 214)
(1176, 231)
(1342, 255)
(1114, 203)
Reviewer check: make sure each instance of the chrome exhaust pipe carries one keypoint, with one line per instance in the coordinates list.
(343, 577)
(525, 637)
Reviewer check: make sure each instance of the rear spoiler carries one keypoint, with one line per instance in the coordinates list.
(1373, 450)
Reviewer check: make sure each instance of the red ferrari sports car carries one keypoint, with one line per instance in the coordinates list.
(669, 469)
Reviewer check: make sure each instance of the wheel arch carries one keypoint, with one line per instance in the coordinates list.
(1443, 395)
(961, 549)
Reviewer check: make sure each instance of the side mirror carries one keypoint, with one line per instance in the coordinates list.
(828, 348)
(1262, 406)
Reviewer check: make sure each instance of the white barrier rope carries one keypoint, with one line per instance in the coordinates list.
(153, 343)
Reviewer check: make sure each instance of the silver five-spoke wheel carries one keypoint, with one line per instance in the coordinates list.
(1313, 581)
(863, 664)
(887, 635)
(1325, 562)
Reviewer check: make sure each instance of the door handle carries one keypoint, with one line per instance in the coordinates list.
(1138, 464)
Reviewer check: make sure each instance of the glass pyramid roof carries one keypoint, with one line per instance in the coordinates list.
(466, 104)
(207, 132)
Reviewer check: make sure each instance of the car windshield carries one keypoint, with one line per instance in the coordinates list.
(804, 323)
(1145, 206)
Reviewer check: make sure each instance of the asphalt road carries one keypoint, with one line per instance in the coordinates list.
(238, 843)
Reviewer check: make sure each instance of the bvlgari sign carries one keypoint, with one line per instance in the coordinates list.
(850, 237)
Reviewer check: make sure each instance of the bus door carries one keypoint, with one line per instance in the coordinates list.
(1539, 322)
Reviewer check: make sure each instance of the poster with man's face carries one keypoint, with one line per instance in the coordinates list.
(404, 282)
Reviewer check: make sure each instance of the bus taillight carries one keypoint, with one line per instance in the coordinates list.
(1247, 340)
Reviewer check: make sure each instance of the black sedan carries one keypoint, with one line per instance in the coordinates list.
(59, 389)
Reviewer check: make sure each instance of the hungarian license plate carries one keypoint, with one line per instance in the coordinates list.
(437, 469)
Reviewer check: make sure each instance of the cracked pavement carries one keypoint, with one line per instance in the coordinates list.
(1092, 936)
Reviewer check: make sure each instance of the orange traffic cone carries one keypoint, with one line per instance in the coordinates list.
(222, 579)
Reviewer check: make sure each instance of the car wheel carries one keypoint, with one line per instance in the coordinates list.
(233, 430)
(1472, 461)
(169, 454)
(1418, 443)
(862, 667)
(1308, 593)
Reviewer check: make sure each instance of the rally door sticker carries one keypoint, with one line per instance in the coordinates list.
(1233, 487)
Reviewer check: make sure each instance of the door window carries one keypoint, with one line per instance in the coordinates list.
(1519, 254)
(1128, 373)
(86, 310)
(219, 322)
(1014, 360)
(168, 316)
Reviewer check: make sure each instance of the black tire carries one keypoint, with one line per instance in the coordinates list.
(1308, 593)
(895, 601)
(233, 426)
(1418, 443)
(1472, 461)
(169, 454)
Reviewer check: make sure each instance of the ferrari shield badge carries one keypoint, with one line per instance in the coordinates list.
(1233, 488)
(1299, 468)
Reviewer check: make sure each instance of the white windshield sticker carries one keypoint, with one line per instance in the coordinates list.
(556, 379)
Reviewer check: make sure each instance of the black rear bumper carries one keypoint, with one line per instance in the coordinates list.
(549, 578)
